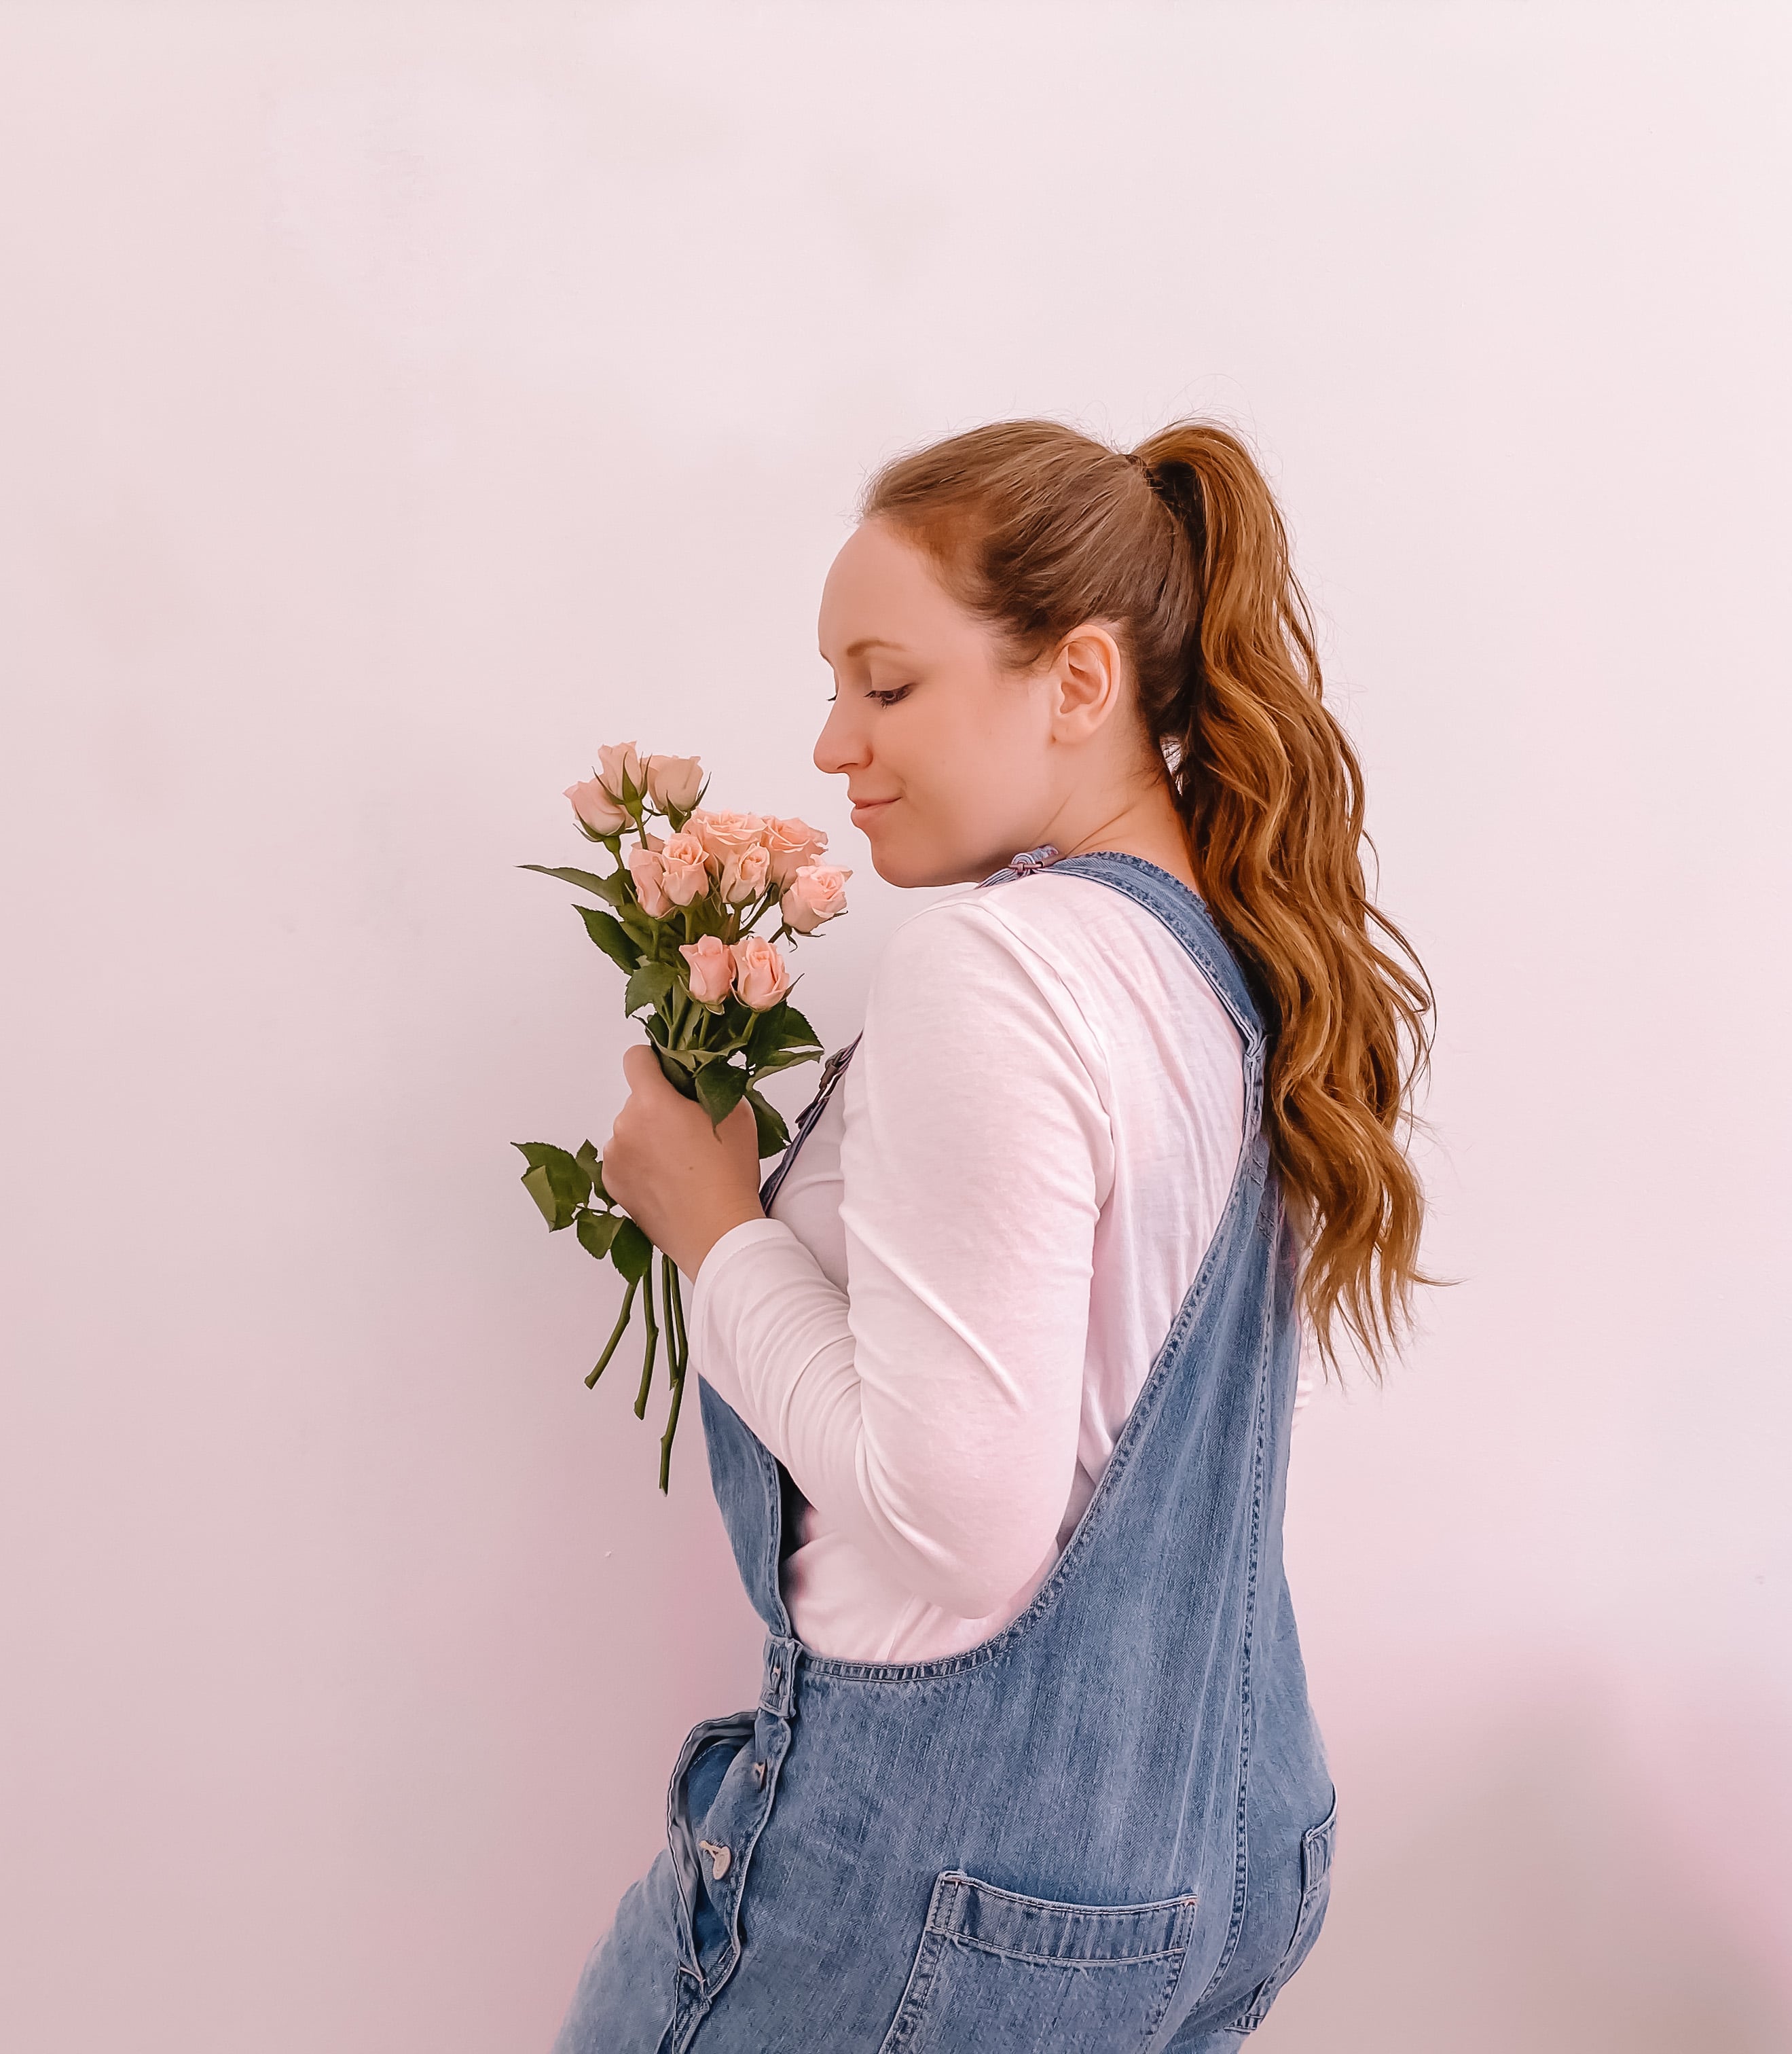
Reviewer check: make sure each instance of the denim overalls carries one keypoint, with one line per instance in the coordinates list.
(1107, 1830)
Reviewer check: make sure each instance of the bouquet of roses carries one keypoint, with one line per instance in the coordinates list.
(678, 916)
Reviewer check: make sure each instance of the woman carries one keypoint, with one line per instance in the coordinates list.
(999, 1369)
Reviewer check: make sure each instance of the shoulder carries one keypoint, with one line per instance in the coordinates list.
(961, 976)
(1110, 972)
(986, 940)
(1075, 932)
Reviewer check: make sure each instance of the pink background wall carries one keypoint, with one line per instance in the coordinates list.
(397, 402)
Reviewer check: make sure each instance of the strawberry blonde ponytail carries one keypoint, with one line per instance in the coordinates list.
(1180, 546)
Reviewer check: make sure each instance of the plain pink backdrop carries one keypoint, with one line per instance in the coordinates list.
(397, 402)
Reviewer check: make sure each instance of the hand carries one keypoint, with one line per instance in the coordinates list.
(683, 1182)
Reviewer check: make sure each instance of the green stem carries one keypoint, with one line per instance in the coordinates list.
(653, 1344)
(678, 1315)
(671, 1428)
(666, 1320)
(621, 1328)
(678, 1354)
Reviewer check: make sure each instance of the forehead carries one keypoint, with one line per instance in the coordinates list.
(882, 587)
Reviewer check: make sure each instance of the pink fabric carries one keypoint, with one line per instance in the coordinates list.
(969, 1269)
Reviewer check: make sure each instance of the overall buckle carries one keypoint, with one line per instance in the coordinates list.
(777, 1694)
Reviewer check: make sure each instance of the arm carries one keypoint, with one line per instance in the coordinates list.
(932, 1409)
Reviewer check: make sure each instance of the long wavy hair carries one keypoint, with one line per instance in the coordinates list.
(1179, 546)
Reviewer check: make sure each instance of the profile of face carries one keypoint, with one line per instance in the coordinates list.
(954, 761)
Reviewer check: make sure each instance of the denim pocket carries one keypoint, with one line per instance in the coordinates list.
(999, 1973)
(710, 1748)
(1315, 1894)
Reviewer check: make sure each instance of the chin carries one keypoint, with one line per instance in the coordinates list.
(920, 870)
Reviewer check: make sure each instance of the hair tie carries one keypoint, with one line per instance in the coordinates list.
(1153, 478)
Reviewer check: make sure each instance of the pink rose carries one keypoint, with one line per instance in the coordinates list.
(649, 872)
(761, 976)
(674, 781)
(686, 864)
(817, 893)
(712, 969)
(743, 877)
(792, 843)
(598, 814)
(618, 760)
(726, 834)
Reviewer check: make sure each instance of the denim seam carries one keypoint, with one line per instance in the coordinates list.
(1001, 1645)
(1251, 1027)
(1251, 1154)
(1066, 1960)
(955, 1879)
(918, 1989)
(1241, 1872)
(767, 1464)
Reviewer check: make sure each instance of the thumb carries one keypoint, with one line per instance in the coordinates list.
(640, 1068)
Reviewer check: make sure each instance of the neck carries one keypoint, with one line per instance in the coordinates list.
(1144, 824)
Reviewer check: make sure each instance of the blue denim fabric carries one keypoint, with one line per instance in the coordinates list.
(1109, 1828)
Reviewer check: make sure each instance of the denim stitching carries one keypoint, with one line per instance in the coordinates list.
(1241, 1868)
(1000, 1645)
(1065, 1961)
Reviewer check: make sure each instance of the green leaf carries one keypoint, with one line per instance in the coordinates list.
(783, 1027)
(642, 927)
(596, 1231)
(631, 1251)
(764, 1038)
(613, 888)
(784, 1059)
(610, 937)
(675, 1066)
(558, 1183)
(794, 1031)
(536, 1183)
(719, 1089)
(773, 1134)
(588, 1159)
(647, 987)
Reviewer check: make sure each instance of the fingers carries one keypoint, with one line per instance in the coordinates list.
(641, 1068)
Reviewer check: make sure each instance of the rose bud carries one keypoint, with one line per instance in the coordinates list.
(674, 782)
(761, 976)
(598, 814)
(618, 760)
(712, 969)
(817, 893)
(648, 871)
(744, 876)
(686, 868)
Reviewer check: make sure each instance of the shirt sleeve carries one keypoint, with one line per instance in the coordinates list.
(932, 1408)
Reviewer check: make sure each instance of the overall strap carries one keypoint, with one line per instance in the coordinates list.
(830, 1074)
(1181, 910)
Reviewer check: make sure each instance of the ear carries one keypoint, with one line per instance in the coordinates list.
(1086, 676)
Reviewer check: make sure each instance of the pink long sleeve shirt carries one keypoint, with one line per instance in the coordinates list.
(967, 1274)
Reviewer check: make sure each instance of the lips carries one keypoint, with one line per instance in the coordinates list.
(867, 806)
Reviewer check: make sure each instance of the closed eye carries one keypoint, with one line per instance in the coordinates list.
(888, 698)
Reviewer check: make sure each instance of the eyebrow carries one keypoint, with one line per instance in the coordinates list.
(870, 642)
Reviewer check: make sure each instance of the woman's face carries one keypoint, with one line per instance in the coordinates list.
(947, 757)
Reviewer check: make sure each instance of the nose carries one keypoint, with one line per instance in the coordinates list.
(841, 746)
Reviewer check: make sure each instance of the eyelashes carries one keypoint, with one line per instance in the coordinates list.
(894, 696)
